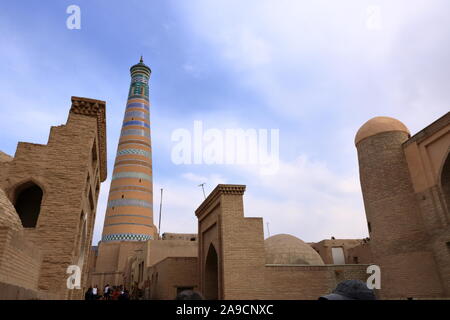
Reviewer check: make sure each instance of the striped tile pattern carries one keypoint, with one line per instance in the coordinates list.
(135, 132)
(129, 214)
(131, 174)
(125, 237)
(129, 203)
(141, 152)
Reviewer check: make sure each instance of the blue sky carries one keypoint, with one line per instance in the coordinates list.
(314, 70)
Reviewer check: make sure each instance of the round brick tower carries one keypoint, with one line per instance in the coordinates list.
(129, 214)
(398, 239)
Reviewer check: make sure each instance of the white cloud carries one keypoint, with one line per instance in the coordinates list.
(212, 180)
(308, 200)
(304, 57)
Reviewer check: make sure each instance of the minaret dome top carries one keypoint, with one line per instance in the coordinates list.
(140, 67)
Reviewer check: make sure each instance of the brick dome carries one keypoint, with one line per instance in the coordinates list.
(378, 125)
(287, 249)
(8, 215)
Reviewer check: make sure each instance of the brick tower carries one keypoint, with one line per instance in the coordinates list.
(129, 214)
(399, 242)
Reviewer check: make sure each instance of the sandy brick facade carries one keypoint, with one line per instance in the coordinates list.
(404, 181)
(67, 172)
(324, 248)
(111, 262)
(360, 254)
(235, 242)
(297, 282)
(171, 276)
(20, 262)
(242, 272)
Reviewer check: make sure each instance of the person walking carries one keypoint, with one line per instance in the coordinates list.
(107, 292)
(88, 295)
(95, 292)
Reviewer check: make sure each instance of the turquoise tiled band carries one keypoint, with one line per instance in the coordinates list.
(126, 237)
(135, 123)
(139, 152)
(135, 132)
(129, 203)
(136, 114)
(139, 175)
(138, 96)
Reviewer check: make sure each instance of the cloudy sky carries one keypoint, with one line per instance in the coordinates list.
(314, 70)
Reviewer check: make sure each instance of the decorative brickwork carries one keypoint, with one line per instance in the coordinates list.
(96, 108)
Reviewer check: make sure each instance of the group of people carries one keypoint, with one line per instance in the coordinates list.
(109, 293)
(346, 290)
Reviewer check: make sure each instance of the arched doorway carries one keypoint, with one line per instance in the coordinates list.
(28, 203)
(445, 182)
(211, 275)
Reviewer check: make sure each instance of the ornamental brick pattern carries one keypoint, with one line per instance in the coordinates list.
(129, 214)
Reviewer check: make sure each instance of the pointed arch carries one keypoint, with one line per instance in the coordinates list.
(212, 274)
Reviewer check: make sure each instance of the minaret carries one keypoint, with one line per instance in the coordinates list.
(398, 237)
(129, 214)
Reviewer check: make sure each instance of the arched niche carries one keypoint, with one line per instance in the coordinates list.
(28, 200)
(445, 182)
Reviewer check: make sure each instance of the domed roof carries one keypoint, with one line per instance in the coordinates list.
(8, 215)
(141, 67)
(378, 125)
(287, 249)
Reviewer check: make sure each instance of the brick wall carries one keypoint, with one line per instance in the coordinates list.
(20, 260)
(172, 273)
(111, 262)
(239, 243)
(399, 243)
(289, 282)
(157, 250)
(69, 177)
(324, 248)
(360, 254)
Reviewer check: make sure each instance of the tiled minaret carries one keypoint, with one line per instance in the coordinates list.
(129, 214)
